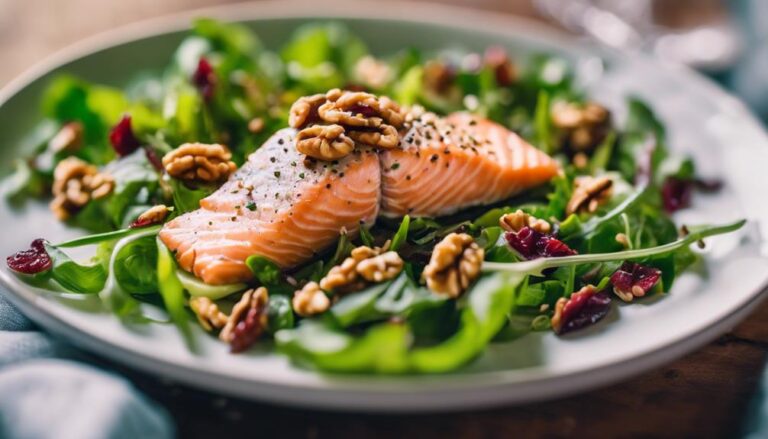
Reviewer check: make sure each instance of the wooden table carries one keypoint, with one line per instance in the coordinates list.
(705, 394)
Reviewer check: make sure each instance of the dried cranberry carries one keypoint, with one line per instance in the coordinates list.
(32, 261)
(122, 138)
(204, 78)
(153, 158)
(582, 309)
(635, 279)
(676, 193)
(248, 330)
(532, 244)
(141, 222)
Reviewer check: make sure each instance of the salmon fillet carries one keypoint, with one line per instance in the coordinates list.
(276, 207)
(457, 162)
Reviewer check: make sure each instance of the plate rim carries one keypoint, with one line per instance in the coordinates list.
(477, 390)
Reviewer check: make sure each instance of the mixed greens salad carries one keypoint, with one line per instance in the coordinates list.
(222, 86)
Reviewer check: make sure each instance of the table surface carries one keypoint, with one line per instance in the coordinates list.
(704, 394)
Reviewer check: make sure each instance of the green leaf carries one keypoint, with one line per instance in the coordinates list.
(83, 279)
(172, 292)
(358, 307)
(266, 271)
(279, 314)
(99, 237)
(488, 303)
(187, 199)
(386, 347)
(196, 287)
(114, 297)
(543, 124)
(322, 56)
(602, 156)
(136, 185)
(537, 266)
(408, 89)
(366, 237)
(231, 38)
(136, 265)
(401, 234)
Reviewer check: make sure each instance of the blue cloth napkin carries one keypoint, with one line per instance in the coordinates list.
(45, 392)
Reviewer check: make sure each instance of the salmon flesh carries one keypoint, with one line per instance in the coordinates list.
(286, 210)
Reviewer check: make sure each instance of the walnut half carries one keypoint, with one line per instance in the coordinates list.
(380, 268)
(330, 124)
(207, 163)
(310, 300)
(589, 193)
(454, 265)
(513, 222)
(208, 313)
(324, 141)
(247, 321)
(75, 183)
(582, 127)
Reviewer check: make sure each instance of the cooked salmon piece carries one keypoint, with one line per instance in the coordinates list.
(447, 164)
(277, 207)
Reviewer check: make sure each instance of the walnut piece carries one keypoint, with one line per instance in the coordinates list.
(310, 300)
(513, 222)
(208, 313)
(380, 268)
(344, 278)
(438, 76)
(304, 110)
(153, 215)
(558, 318)
(330, 124)
(256, 125)
(360, 109)
(589, 193)
(454, 265)
(584, 126)
(75, 183)
(386, 137)
(69, 138)
(247, 321)
(324, 142)
(207, 163)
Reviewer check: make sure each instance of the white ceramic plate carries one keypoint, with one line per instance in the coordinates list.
(703, 121)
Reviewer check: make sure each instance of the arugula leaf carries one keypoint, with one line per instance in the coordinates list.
(401, 234)
(543, 124)
(537, 266)
(366, 237)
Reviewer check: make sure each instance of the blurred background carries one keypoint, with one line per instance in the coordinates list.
(721, 38)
